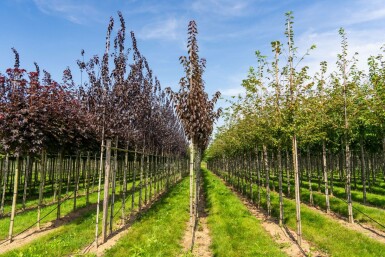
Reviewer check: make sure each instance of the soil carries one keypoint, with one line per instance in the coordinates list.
(198, 240)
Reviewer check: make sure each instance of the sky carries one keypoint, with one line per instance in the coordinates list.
(53, 32)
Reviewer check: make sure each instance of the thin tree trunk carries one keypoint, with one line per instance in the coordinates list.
(87, 178)
(192, 153)
(297, 191)
(267, 174)
(113, 177)
(309, 174)
(324, 166)
(5, 180)
(101, 163)
(133, 182)
(26, 176)
(106, 190)
(15, 188)
(279, 156)
(42, 184)
(124, 186)
(363, 173)
(59, 175)
(348, 186)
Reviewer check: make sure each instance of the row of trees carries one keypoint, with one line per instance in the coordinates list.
(120, 97)
(336, 115)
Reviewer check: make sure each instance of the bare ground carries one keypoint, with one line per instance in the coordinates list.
(34, 233)
(198, 240)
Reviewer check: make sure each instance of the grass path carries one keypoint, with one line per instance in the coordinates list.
(160, 230)
(64, 240)
(324, 232)
(234, 230)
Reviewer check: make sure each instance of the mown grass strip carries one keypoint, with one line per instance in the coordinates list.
(160, 230)
(70, 238)
(25, 219)
(339, 205)
(235, 231)
(323, 231)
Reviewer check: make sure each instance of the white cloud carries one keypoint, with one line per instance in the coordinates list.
(364, 42)
(72, 10)
(234, 91)
(163, 30)
(221, 7)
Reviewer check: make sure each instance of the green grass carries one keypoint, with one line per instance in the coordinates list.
(234, 230)
(29, 217)
(324, 232)
(65, 240)
(338, 204)
(159, 231)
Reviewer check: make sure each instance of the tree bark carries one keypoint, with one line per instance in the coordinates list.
(297, 190)
(15, 188)
(106, 190)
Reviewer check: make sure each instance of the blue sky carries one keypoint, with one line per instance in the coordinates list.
(52, 33)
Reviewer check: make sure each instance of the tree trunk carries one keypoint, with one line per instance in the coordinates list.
(363, 173)
(192, 153)
(348, 186)
(5, 181)
(267, 174)
(15, 188)
(279, 156)
(324, 167)
(59, 175)
(297, 189)
(113, 177)
(311, 201)
(101, 163)
(106, 190)
(124, 186)
(42, 184)
(26, 176)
